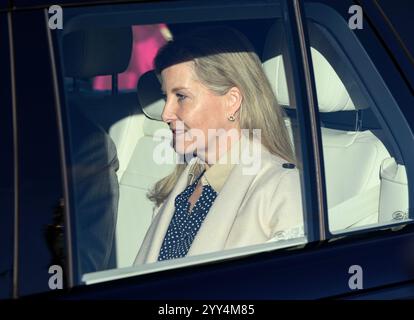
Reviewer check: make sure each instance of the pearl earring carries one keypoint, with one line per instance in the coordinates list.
(231, 118)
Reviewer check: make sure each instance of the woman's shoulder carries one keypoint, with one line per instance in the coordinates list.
(275, 176)
(258, 160)
(274, 165)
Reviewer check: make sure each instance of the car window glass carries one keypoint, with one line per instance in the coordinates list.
(113, 104)
(366, 180)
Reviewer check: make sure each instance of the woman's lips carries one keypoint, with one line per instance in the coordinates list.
(175, 132)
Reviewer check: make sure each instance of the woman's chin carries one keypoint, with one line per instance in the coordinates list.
(185, 154)
(181, 149)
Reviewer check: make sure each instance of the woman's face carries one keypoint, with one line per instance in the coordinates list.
(191, 110)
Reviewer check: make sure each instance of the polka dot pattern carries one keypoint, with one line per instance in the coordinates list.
(184, 225)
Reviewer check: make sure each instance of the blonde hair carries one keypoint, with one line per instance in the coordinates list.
(223, 58)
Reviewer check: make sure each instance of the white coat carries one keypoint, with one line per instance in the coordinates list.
(250, 209)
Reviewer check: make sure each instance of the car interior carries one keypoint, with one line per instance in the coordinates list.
(362, 177)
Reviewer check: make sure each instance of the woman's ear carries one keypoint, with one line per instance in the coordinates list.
(234, 100)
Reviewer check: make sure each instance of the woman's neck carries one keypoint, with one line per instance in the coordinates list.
(219, 146)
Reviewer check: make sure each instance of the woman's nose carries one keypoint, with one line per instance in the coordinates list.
(168, 114)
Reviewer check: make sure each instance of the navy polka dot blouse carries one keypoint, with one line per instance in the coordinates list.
(184, 225)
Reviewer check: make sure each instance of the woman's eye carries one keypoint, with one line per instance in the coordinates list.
(180, 96)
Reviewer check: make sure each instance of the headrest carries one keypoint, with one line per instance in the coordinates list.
(154, 128)
(331, 92)
(149, 95)
(94, 52)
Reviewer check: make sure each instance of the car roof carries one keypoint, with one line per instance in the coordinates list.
(27, 4)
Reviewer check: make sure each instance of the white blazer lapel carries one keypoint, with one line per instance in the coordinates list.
(216, 227)
(152, 243)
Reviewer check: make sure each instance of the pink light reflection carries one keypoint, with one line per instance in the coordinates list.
(147, 40)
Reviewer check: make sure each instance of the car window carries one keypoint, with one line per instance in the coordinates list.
(119, 149)
(365, 172)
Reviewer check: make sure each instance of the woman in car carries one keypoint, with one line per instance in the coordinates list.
(238, 185)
